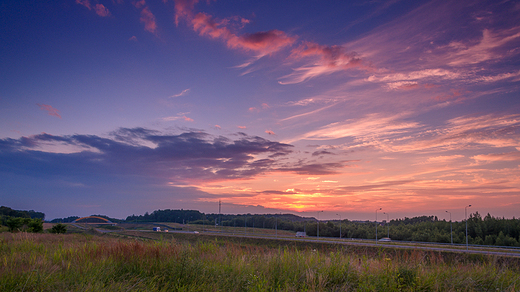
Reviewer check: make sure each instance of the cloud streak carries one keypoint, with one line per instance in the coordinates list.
(325, 60)
(50, 110)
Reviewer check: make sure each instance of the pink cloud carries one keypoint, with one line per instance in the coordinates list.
(149, 20)
(184, 9)
(242, 127)
(269, 132)
(133, 38)
(101, 10)
(187, 119)
(184, 92)
(140, 4)
(263, 43)
(50, 110)
(325, 60)
(482, 51)
(218, 127)
(85, 3)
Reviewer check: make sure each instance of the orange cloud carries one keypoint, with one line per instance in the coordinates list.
(50, 110)
(242, 127)
(218, 127)
(269, 132)
(101, 10)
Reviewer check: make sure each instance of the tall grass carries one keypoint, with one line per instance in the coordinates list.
(78, 262)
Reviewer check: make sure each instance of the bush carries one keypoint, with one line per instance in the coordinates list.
(58, 228)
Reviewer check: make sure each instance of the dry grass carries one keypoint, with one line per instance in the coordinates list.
(80, 262)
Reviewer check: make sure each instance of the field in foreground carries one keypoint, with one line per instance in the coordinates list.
(83, 262)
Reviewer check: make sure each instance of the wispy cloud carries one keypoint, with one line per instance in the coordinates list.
(85, 3)
(509, 156)
(368, 127)
(100, 9)
(324, 60)
(184, 92)
(179, 116)
(50, 110)
(463, 54)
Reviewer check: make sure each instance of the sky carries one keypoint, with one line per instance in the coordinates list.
(120, 107)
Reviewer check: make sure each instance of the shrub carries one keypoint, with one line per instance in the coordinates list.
(58, 228)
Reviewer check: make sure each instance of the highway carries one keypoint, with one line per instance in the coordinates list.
(426, 246)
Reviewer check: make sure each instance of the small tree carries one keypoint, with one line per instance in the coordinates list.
(59, 228)
(35, 225)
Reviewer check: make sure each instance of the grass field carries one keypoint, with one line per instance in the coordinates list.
(189, 262)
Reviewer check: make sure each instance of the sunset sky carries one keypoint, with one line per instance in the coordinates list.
(121, 107)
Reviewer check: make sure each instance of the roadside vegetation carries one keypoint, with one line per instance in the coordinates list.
(486, 230)
(188, 262)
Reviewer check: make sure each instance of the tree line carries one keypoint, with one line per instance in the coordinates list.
(18, 220)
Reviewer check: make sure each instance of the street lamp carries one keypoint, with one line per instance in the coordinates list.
(376, 222)
(451, 228)
(387, 226)
(318, 226)
(466, 217)
(339, 226)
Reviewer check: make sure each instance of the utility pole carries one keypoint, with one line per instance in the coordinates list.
(466, 217)
(318, 226)
(376, 222)
(339, 226)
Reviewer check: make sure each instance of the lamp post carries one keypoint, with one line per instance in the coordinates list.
(376, 222)
(387, 226)
(318, 226)
(451, 228)
(339, 226)
(276, 224)
(466, 217)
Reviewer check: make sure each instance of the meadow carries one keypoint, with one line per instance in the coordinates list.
(188, 262)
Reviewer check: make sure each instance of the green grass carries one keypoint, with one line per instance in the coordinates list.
(188, 262)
